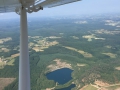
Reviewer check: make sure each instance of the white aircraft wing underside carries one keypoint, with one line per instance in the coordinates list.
(12, 5)
(53, 3)
(9, 5)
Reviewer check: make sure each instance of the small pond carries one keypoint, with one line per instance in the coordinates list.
(61, 76)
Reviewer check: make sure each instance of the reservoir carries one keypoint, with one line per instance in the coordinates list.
(61, 76)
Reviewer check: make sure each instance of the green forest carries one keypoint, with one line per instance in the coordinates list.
(92, 49)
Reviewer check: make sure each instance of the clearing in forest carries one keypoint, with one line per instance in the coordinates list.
(5, 82)
(89, 87)
(58, 65)
(111, 55)
(41, 45)
(92, 36)
(4, 49)
(5, 40)
(118, 68)
(85, 54)
(11, 62)
(15, 55)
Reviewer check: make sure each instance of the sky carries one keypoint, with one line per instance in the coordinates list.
(83, 7)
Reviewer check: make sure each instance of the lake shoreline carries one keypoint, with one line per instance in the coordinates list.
(62, 77)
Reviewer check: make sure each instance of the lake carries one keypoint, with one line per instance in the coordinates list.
(61, 76)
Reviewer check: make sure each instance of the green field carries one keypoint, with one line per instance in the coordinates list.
(94, 59)
(89, 87)
(11, 62)
(1, 65)
(113, 87)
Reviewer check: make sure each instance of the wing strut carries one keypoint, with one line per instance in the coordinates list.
(24, 66)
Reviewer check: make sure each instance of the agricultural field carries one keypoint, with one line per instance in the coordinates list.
(5, 82)
(90, 47)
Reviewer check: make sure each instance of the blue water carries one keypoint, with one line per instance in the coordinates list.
(61, 76)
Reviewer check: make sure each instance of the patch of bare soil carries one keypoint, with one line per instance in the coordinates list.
(102, 89)
(5, 49)
(5, 40)
(89, 37)
(81, 65)
(58, 65)
(118, 68)
(85, 54)
(83, 87)
(118, 89)
(50, 88)
(15, 55)
(101, 83)
(110, 54)
(5, 82)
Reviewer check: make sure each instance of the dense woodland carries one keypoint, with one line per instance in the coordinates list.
(100, 66)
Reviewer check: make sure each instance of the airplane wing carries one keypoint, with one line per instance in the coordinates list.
(22, 7)
(53, 3)
(12, 5)
(9, 5)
